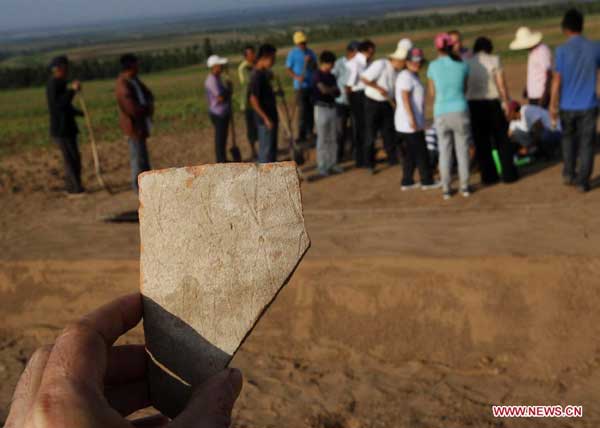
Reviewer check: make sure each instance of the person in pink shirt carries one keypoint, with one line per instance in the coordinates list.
(539, 65)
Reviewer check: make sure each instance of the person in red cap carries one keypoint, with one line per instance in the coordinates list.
(447, 84)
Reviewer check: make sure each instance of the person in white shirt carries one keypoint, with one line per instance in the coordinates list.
(531, 129)
(409, 121)
(355, 89)
(379, 80)
(344, 124)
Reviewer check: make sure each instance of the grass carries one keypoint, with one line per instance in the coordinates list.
(181, 105)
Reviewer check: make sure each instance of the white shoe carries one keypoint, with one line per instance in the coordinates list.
(432, 186)
(465, 192)
(406, 187)
(447, 195)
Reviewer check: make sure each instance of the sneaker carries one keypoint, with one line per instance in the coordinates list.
(372, 171)
(413, 186)
(447, 195)
(432, 186)
(568, 181)
(336, 169)
(466, 192)
(583, 188)
(75, 195)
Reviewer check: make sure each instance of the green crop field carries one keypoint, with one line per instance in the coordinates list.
(181, 105)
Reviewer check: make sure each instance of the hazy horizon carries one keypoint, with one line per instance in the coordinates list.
(21, 15)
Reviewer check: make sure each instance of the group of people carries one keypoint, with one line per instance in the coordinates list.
(356, 98)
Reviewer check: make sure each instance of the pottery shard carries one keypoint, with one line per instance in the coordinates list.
(218, 243)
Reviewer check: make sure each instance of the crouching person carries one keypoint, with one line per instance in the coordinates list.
(325, 92)
(531, 129)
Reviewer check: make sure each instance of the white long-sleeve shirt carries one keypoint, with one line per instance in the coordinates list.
(384, 75)
(356, 66)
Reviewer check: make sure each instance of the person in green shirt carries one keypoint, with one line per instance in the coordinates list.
(244, 74)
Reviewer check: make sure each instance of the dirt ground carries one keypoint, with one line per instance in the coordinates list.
(408, 311)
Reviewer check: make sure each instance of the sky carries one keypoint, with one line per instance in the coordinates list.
(32, 14)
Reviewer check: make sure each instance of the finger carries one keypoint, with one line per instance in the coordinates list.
(126, 364)
(212, 403)
(27, 388)
(127, 399)
(80, 352)
(151, 422)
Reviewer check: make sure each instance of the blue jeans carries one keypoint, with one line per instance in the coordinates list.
(138, 158)
(267, 143)
(579, 134)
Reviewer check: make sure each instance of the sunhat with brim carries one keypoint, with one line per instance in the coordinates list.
(300, 37)
(443, 41)
(400, 54)
(216, 60)
(526, 39)
(405, 44)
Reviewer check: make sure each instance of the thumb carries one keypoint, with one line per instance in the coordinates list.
(212, 402)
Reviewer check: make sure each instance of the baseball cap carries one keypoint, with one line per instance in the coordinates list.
(216, 60)
(353, 45)
(58, 61)
(300, 37)
(416, 55)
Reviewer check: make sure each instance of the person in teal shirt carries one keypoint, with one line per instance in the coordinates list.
(447, 83)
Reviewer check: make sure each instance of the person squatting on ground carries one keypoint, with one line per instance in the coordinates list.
(300, 65)
(325, 91)
(244, 74)
(136, 108)
(574, 100)
(447, 85)
(539, 65)
(409, 122)
(344, 122)
(63, 126)
(355, 89)
(379, 80)
(531, 130)
(84, 381)
(218, 96)
(264, 104)
(488, 98)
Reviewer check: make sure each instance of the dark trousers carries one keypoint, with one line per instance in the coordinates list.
(379, 116)
(306, 113)
(579, 134)
(267, 143)
(490, 131)
(251, 129)
(415, 156)
(357, 112)
(344, 129)
(138, 159)
(221, 125)
(72, 163)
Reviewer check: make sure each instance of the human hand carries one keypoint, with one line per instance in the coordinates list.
(83, 381)
(383, 91)
(268, 123)
(299, 78)
(76, 85)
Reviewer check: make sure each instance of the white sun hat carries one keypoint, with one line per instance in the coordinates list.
(404, 46)
(216, 60)
(526, 39)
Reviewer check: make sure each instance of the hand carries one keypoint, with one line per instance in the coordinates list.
(83, 381)
(299, 78)
(383, 91)
(554, 117)
(76, 85)
(413, 125)
(307, 59)
(268, 123)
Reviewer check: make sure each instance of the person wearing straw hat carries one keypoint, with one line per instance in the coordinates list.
(301, 64)
(136, 108)
(539, 65)
(63, 126)
(219, 104)
(380, 80)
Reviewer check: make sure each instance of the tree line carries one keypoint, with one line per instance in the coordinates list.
(108, 67)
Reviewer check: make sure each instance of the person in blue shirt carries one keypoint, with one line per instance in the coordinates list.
(574, 99)
(301, 64)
